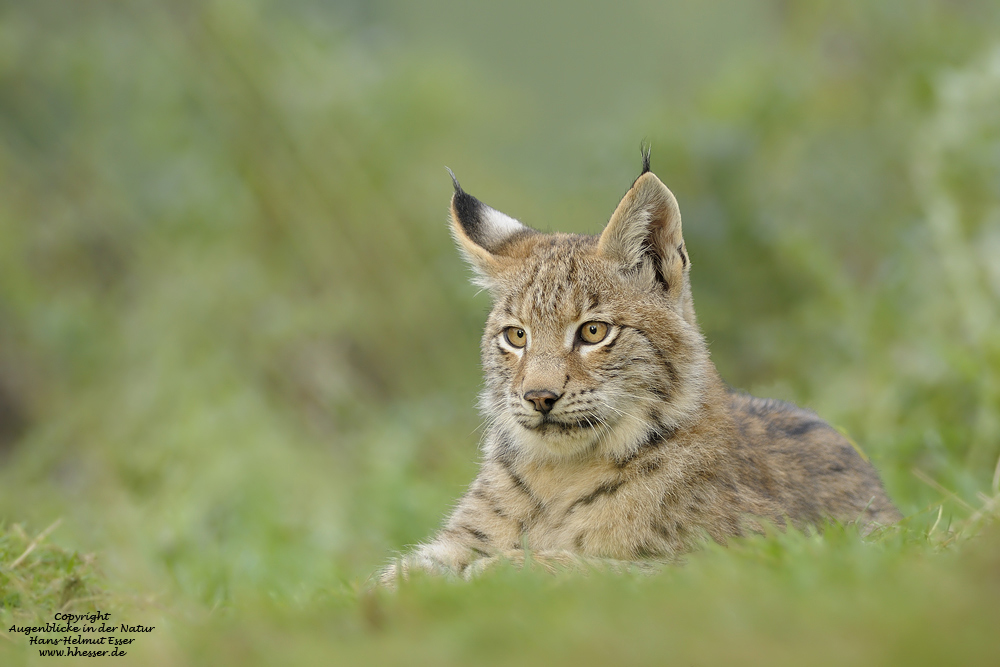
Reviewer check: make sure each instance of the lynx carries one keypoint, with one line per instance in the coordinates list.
(610, 434)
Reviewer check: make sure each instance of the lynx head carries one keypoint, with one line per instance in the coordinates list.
(591, 347)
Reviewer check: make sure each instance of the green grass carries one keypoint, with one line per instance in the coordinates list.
(902, 597)
(38, 579)
(238, 351)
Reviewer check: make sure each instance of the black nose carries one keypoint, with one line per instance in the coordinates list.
(542, 398)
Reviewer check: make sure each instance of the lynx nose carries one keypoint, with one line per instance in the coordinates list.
(543, 399)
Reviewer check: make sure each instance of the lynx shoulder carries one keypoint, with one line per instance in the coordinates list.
(610, 433)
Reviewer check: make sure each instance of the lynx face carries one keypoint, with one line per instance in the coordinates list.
(566, 369)
(591, 346)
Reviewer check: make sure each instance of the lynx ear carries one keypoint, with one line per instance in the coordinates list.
(481, 232)
(645, 230)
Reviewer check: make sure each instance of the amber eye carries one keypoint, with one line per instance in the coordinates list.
(515, 336)
(593, 332)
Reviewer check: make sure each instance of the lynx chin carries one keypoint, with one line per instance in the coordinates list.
(610, 435)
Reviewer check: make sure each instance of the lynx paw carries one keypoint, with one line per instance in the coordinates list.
(436, 559)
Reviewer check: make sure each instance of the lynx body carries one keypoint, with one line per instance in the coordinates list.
(609, 431)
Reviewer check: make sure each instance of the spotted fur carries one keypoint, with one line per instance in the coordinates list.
(644, 450)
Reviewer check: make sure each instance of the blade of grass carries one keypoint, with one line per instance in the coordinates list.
(34, 543)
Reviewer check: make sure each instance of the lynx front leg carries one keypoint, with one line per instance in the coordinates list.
(550, 561)
(554, 561)
(477, 529)
(441, 557)
(455, 560)
(452, 560)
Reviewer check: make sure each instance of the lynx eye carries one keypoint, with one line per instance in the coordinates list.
(594, 332)
(515, 336)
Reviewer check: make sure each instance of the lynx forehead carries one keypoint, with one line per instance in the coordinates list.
(610, 434)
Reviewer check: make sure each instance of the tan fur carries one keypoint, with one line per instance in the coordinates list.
(645, 451)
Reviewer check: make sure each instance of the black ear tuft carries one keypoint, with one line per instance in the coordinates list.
(468, 210)
(645, 148)
(454, 180)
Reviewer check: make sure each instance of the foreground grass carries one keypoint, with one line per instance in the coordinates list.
(38, 579)
(905, 596)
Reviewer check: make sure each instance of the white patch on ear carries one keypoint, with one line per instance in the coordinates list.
(480, 231)
(497, 226)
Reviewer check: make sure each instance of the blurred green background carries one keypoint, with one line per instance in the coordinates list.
(239, 354)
